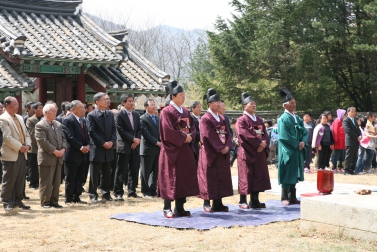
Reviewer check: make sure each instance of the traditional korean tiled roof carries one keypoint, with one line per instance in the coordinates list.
(12, 77)
(139, 59)
(54, 30)
(58, 32)
(128, 76)
(135, 72)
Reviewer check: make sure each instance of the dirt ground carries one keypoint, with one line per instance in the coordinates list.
(88, 228)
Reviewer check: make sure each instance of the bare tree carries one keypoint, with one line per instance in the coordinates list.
(170, 49)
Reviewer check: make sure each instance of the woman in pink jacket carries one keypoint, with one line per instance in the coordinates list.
(339, 141)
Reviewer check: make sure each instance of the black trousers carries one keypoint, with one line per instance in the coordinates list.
(149, 174)
(85, 172)
(1, 172)
(100, 171)
(33, 170)
(62, 176)
(324, 156)
(127, 169)
(113, 168)
(309, 156)
(27, 171)
(350, 159)
(73, 180)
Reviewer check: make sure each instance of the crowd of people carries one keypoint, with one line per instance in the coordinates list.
(180, 152)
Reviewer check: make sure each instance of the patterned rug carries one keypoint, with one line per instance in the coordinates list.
(201, 220)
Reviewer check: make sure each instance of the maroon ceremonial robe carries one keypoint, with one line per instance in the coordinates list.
(253, 173)
(177, 162)
(215, 180)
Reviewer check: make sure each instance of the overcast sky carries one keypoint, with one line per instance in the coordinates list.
(185, 14)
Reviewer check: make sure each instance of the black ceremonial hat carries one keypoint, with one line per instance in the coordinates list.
(212, 95)
(285, 95)
(173, 88)
(246, 98)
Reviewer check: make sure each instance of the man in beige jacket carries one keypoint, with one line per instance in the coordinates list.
(16, 144)
(51, 148)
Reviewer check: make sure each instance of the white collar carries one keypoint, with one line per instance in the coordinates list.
(77, 118)
(292, 114)
(180, 109)
(127, 111)
(252, 117)
(197, 117)
(217, 117)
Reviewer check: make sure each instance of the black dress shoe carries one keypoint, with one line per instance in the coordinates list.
(182, 213)
(26, 197)
(148, 196)
(133, 195)
(78, 201)
(220, 209)
(108, 198)
(46, 206)
(119, 198)
(56, 205)
(69, 203)
(22, 205)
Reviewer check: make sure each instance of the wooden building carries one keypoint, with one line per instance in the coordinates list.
(53, 46)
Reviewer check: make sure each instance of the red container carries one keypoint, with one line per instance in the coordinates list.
(325, 181)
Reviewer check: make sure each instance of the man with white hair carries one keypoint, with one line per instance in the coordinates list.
(51, 148)
(293, 138)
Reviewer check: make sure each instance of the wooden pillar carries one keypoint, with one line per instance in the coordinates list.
(42, 86)
(81, 87)
(19, 99)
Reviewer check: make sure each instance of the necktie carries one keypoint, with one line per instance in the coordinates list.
(82, 130)
(131, 119)
(52, 125)
(19, 129)
(353, 120)
(154, 119)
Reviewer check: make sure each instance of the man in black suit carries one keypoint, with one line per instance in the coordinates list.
(77, 154)
(196, 109)
(63, 114)
(353, 137)
(102, 132)
(128, 147)
(32, 155)
(149, 149)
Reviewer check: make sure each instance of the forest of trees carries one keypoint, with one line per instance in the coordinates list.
(324, 51)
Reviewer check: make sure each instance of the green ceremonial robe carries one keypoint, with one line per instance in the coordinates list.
(291, 159)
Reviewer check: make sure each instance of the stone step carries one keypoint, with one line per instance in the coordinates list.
(349, 215)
